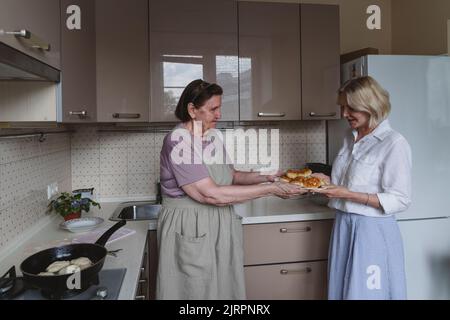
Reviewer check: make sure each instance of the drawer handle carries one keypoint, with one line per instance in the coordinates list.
(142, 280)
(35, 41)
(140, 298)
(81, 114)
(331, 114)
(126, 115)
(269, 114)
(304, 270)
(286, 230)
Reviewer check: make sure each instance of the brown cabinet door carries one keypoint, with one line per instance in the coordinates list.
(269, 61)
(78, 83)
(286, 242)
(320, 61)
(191, 40)
(299, 281)
(122, 60)
(41, 18)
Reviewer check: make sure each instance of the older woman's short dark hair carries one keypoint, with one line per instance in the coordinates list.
(366, 95)
(197, 92)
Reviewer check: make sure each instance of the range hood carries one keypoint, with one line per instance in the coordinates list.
(15, 65)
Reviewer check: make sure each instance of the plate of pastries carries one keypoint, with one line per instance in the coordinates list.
(303, 177)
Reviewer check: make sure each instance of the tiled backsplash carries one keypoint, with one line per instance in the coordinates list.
(126, 164)
(116, 164)
(27, 166)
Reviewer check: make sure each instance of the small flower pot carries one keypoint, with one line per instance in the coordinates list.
(73, 215)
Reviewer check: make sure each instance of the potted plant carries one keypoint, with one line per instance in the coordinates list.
(70, 206)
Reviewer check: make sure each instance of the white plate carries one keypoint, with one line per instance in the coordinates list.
(81, 224)
(319, 188)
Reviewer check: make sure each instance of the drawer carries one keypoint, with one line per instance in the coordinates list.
(286, 242)
(299, 281)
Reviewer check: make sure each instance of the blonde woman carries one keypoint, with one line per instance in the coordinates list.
(372, 178)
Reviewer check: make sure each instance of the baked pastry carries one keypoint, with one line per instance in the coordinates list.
(306, 172)
(285, 179)
(294, 173)
(312, 182)
(300, 181)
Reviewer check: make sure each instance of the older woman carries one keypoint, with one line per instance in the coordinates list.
(199, 235)
(372, 178)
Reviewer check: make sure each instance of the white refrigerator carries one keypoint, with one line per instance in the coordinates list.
(419, 88)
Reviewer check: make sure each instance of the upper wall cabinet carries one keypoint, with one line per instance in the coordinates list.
(320, 61)
(269, 61)
(36, 25)
(122, 60)
(192, 40)
(78, 85)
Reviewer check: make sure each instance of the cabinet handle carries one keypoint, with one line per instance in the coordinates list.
(142, 281)
(36, 42)
(140, 298)
(268, 114)
(81, 114)
(126, 115)
(313, 114)
(286, 230)
(304, 270)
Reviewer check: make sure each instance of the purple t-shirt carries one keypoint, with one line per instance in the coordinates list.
(174, 175)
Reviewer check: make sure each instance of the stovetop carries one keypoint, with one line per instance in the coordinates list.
(108, 288)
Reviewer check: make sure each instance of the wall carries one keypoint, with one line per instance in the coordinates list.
(27, 166)
(126, 164)
(354, 32)
(419, 26)
(122, 164)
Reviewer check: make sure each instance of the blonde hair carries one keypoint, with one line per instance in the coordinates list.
(364, 94)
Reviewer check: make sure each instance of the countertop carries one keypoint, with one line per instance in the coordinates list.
(48, 234)
(274, 209)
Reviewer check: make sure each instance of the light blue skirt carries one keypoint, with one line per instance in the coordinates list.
(366, 260)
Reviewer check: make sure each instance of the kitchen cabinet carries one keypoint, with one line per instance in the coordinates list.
(41, 19)
(28, 101)
(147, 280)
(122, 60)
(152, 263)
(78, 78)
(142, 291)
(320, 61)
(287, 260)
(191, 40)
(269, 61)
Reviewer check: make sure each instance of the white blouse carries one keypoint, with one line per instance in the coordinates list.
(380, 163)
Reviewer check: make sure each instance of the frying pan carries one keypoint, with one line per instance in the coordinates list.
(56, 286)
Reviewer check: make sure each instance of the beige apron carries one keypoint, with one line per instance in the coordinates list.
(200, 248)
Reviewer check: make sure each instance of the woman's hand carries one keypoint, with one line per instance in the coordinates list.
(335, 192)
(287, 190)
(274, 177)
(322, 176)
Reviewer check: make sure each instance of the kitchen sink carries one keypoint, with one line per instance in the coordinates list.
(136, 211)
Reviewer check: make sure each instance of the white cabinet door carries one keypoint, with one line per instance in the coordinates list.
(427, 258)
